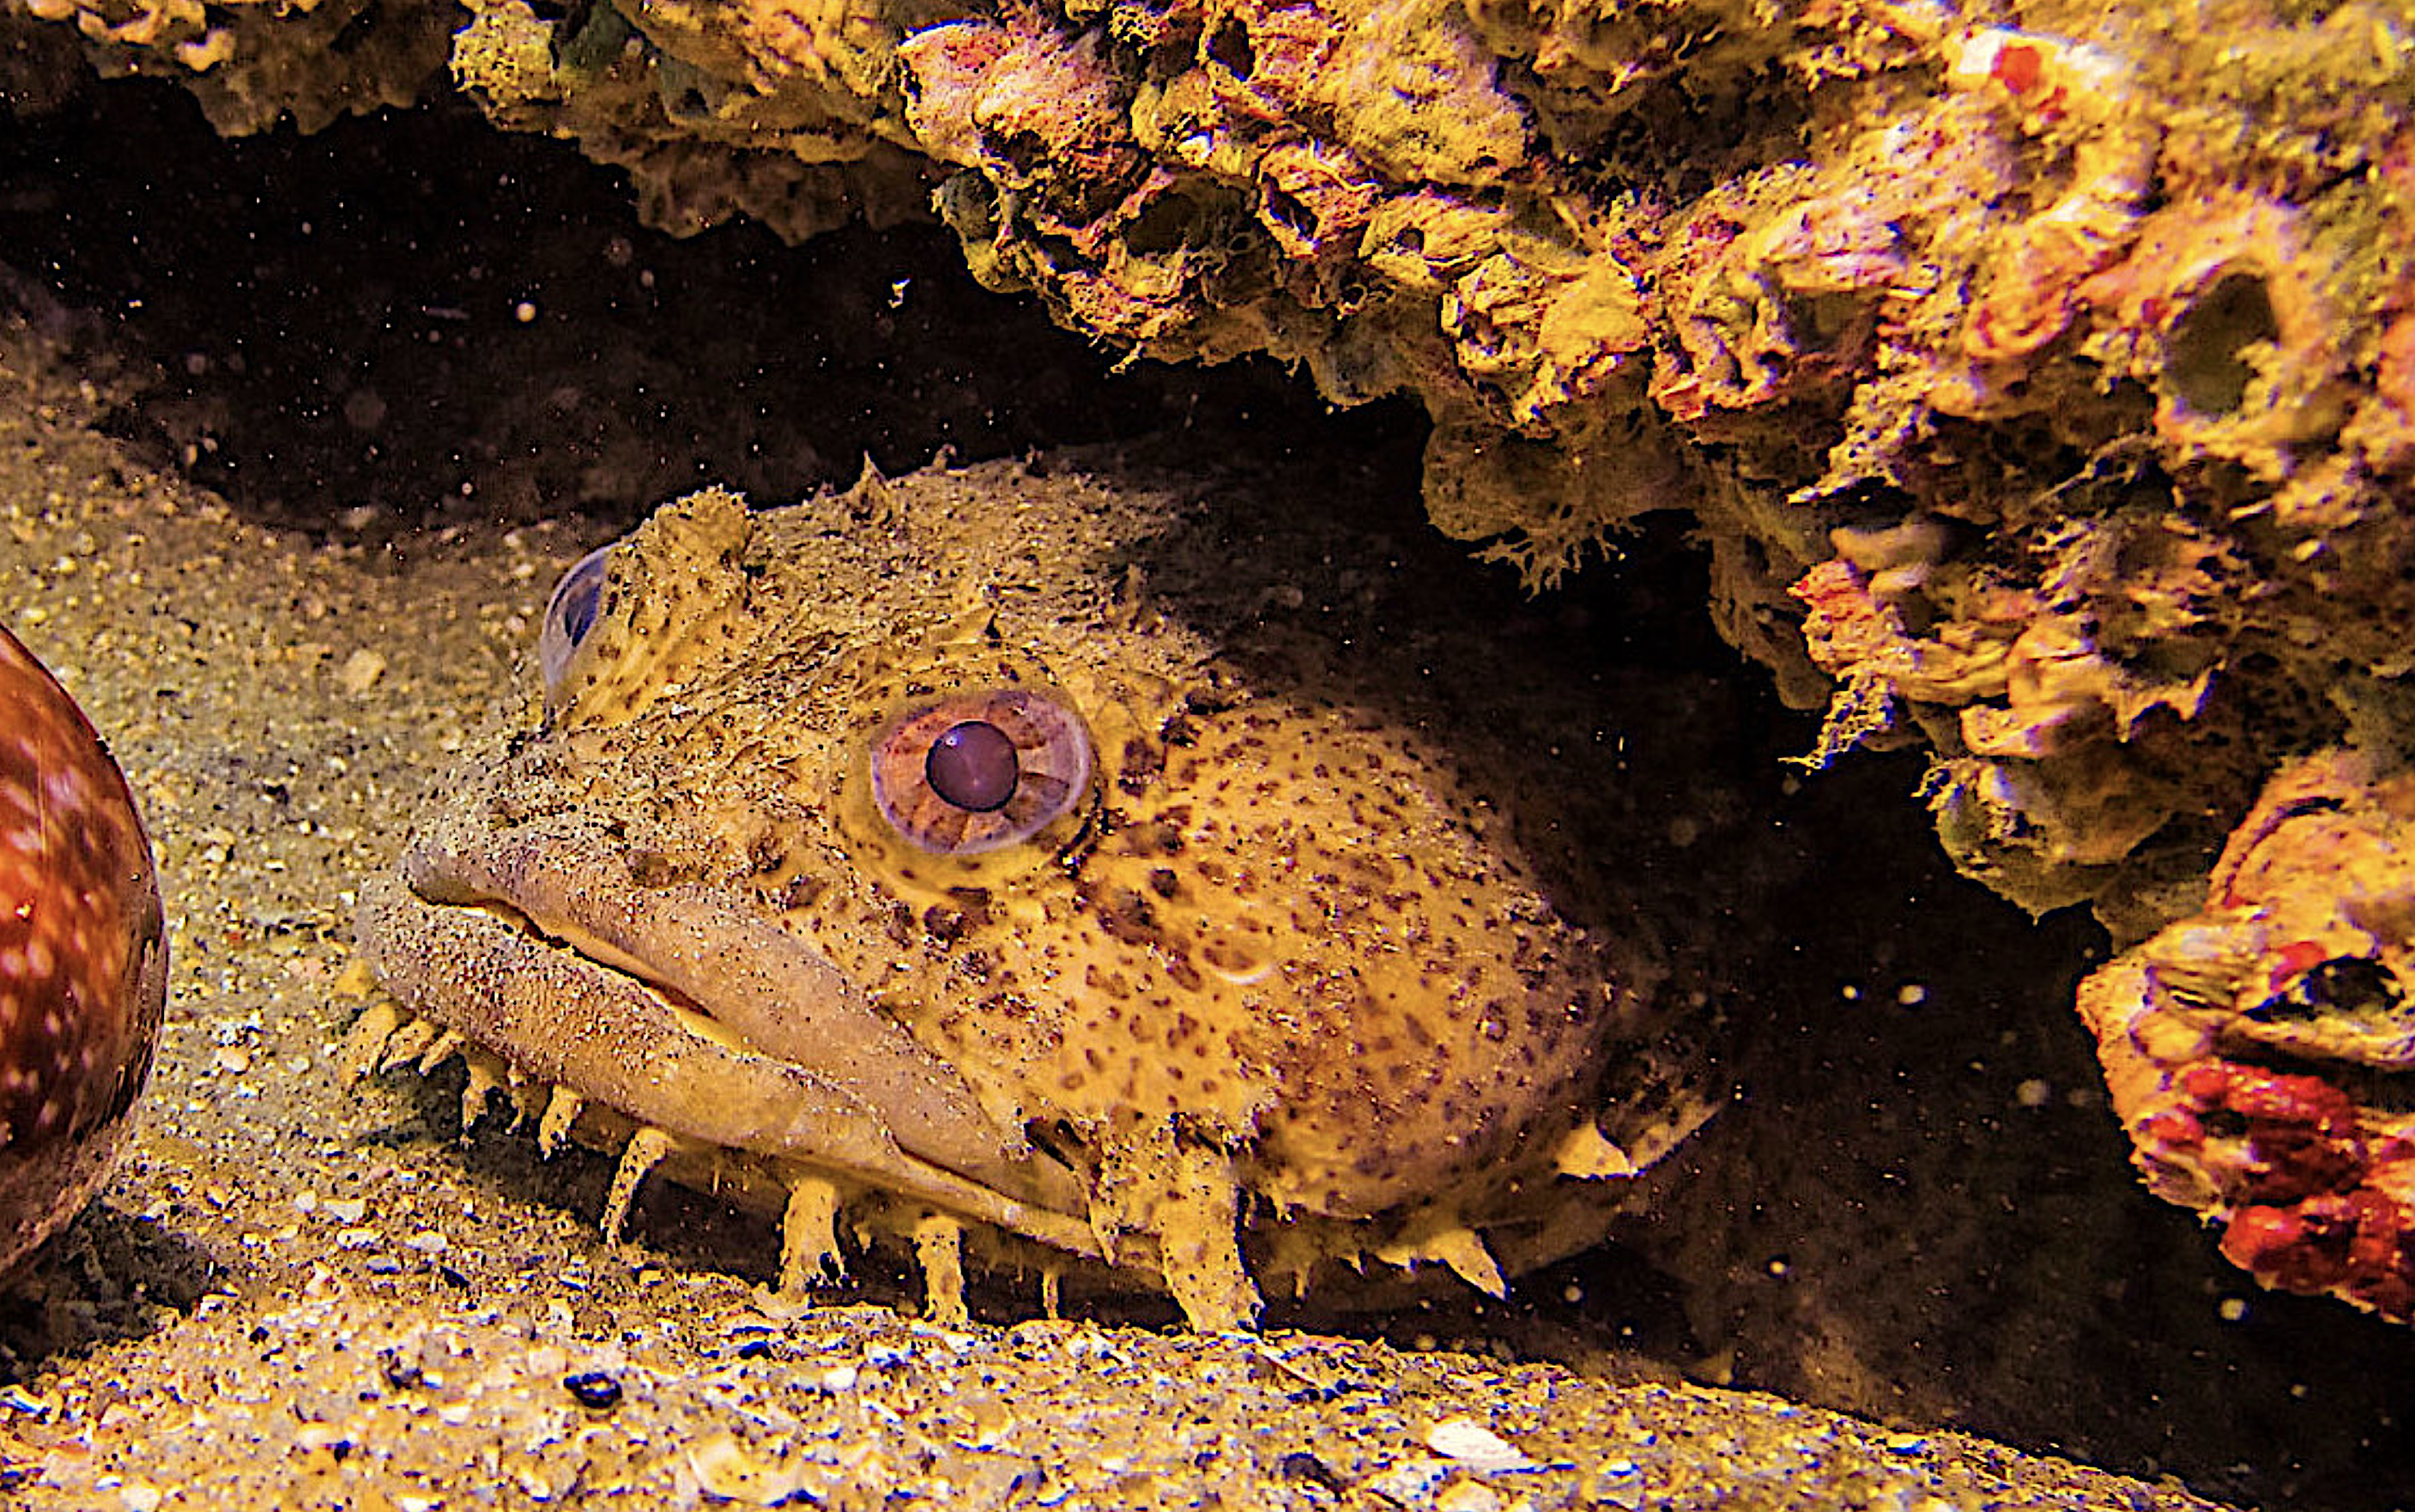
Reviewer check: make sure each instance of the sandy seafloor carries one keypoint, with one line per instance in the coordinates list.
(302, 1294)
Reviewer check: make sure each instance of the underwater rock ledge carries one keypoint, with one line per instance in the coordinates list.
(2039, 376)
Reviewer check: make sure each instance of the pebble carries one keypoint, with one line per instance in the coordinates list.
(1476, 1446)
(360, 671)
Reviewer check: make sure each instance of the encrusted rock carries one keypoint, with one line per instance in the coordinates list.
(2041, 377)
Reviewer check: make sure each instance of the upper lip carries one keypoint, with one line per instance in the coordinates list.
(833, 1082)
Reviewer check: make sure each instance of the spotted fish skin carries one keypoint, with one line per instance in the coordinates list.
(1260, 961)
(83, 960)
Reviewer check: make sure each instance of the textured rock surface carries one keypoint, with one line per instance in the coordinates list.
(2039, 376)
(2037, 373)
(292, 1294)
(250, 65)
(2257, 1049)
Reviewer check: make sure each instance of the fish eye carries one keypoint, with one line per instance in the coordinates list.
(979, 771)
(570, 614)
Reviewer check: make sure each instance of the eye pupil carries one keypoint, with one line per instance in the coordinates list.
(972, 765)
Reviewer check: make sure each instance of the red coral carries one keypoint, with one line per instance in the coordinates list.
(2254, 1049)
(2288, 1154)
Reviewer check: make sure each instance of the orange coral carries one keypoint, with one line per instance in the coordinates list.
(2223, 308)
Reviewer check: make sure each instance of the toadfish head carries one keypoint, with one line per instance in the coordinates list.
(903, 856)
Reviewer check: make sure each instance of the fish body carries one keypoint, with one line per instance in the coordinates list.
(1063, 860)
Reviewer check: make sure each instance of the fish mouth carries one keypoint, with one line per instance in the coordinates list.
(684, 1011)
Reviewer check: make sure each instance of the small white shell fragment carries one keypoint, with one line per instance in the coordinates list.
(140, 1496)
(836, 1379)
(360, 671)
(1410, 1483)
(1475, 1446)
(726, 1468)
(1468, 1496)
